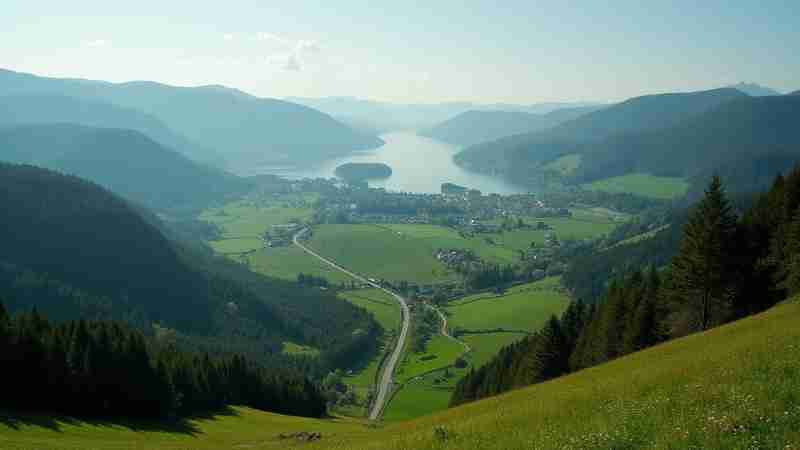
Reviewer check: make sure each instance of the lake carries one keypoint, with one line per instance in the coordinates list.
(418, 165)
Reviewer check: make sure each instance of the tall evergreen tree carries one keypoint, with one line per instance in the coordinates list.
(702, 278)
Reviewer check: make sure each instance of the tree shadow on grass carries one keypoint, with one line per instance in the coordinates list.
(56, 422)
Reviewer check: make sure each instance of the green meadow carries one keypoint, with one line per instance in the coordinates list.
(643, 184)
(521, 308)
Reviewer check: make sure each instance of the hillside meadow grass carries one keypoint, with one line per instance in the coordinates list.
(642, 184)
(565, 165)
(522, 308)
(379, 252)
(734, 387)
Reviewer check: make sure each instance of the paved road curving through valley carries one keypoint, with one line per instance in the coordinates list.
(385, 383)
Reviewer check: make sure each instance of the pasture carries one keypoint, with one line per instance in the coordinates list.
(646, 185)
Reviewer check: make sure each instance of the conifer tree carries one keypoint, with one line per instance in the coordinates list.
(702, 278)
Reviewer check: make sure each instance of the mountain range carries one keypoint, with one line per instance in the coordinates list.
(123, 160)
(241, 128)
(475, 127)
(755, 90)
(385, 116)
(520, 154)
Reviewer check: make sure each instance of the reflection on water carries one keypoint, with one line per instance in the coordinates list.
(418, 165)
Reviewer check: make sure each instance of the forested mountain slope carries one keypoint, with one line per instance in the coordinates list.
(474, 127)
(49, 109)
(124, 161)
(755, 133)
(516, 156)
(72, 249)
(242, 128)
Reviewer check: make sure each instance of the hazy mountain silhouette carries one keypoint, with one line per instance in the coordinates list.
(245, 129)
(124, 161)
(474, 127)
(755, 90)
(638, 114)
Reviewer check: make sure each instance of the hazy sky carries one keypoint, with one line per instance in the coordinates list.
(520, 51)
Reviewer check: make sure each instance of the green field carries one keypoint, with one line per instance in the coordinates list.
(487, 346)
(644, 185)
(288, 262)
(525, 307)
(379, 252)
(380, 304)
(440, 352)
(290, 348)
(415, 400)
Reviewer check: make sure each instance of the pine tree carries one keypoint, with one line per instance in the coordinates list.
(701, 272)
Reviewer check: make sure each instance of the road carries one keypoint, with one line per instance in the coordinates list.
(446, 333)
(385, 384)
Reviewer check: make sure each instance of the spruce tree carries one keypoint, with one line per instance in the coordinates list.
(702, 278)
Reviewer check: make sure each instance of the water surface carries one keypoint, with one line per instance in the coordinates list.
(418, 165)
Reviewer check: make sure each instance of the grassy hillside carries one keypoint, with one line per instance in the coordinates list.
(643, 184)
(734, 387)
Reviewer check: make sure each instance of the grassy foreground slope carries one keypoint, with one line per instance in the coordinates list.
(734, 387)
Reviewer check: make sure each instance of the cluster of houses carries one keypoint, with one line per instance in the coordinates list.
(281, 235)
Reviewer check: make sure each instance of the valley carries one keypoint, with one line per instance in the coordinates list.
(399, 227)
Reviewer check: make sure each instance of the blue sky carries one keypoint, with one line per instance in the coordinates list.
(408, 51)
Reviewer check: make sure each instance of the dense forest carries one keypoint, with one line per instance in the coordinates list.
(110, 370)
(727, 266)
(74, 250)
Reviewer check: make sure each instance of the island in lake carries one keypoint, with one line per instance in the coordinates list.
(363, 171)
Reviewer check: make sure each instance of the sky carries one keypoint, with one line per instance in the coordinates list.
(511, 51)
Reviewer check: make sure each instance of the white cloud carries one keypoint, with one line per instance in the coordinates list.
(273, 39)
(228, 36)
(97, 43)
(292, 64)
(307, 47)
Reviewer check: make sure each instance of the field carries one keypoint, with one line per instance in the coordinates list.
(487, 346)
(379, 252)
(290, 348)
(426, 388)
(234, 428)
(644, 185)
(412, 247)
(735, 387)
(526, 307)
(288, 262)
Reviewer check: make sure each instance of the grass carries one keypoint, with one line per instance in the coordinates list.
(440, 352)
(379, 252)
(380, 304)
(735, 387)
(288, 262)
(234, 428)
(290, 348)
(415, 400)
(644, 185)
(525, 307)
(565, 165)
(486, 346)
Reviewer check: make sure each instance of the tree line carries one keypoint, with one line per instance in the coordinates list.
(110, 370)
(727, 266)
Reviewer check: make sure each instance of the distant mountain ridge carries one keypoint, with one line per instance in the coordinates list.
(521, 154)
(475, 127)
(244, 129)
(755, 90)
(43, 108)
(124, 161)
(386, 116)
